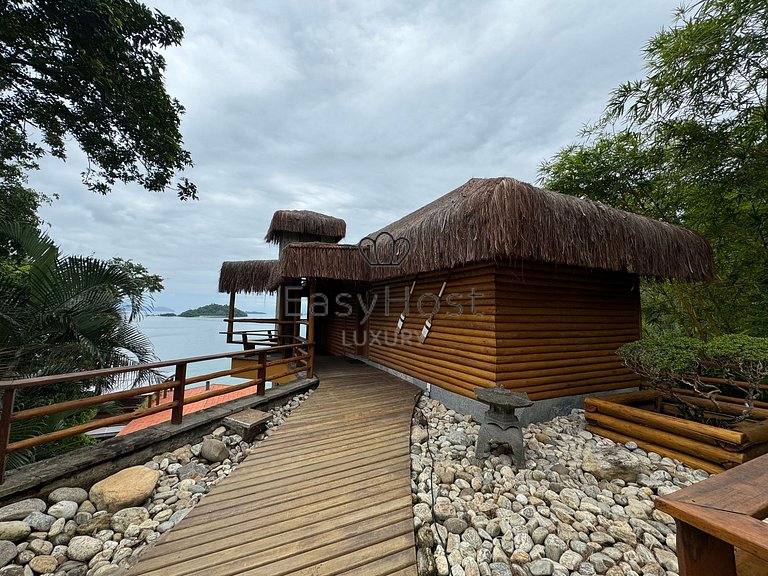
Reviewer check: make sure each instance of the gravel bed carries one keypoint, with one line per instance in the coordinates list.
(582, 506)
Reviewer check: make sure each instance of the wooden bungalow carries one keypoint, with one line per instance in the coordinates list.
(497, 283)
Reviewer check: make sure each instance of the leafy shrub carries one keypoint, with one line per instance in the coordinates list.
(670, 361)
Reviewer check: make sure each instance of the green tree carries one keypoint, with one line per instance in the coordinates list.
(62, 314)
(18, 203)
(142, 284)
(91, 70)
(689, 144)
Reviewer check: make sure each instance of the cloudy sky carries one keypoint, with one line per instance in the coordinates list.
(361, 110)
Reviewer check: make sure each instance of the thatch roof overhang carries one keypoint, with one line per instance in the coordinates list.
(305, 222)
(505, 220)
(320, 260)
(247, 276)
(498, 220)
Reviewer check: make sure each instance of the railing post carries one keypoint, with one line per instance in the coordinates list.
(261, 385)
(9, 396)
(311, 359)
(177, 413)
(231, 318)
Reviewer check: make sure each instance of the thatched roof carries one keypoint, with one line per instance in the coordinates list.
(320, 260)
(502, 219)
(247, 276)
(305, 222)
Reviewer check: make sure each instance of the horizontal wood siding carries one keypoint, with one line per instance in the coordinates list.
(460, 351)
(335, 325)
(558, 329)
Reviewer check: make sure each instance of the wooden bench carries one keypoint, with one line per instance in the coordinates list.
(718, 515)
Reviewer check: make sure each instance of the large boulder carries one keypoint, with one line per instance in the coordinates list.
(126, 489)
(611, 463)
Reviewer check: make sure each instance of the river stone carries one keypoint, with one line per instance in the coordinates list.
(14, 530)
(193, 470)
(570, 559)
(43, 564)
(7, 552)
(64, 509)
(457, 437)
(72, 494)
(127, 517)
(612, 463)
(41, 547)
(601, 562)
(21, 509)
(40, 522)
(13, 570)
(128, 488)
(541, 567)
(418, 435)
(455, 525)
(95, 524)
(214, 450)
(425, 562)
(108, 570)
(83, 548)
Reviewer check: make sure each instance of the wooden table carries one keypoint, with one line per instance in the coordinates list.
(719, 514)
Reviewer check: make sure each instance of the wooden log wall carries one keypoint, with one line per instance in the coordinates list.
(335, 328)
(558, 329)
(460, 350)
(550, 331)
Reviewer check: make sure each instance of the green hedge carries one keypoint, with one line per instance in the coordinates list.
(668, 361)
(731, 356)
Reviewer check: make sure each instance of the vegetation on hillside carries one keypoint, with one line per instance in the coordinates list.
(92, 73)
(213, 311)
(689, 144)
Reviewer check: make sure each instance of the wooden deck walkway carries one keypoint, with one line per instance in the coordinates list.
(328, 493)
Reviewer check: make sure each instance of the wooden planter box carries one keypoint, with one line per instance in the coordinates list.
(647, 418)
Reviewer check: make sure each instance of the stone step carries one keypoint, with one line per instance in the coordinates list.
(247, 423)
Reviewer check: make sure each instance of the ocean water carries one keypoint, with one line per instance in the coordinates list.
(174, 338)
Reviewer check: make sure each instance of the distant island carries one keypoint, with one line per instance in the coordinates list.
(212, 311)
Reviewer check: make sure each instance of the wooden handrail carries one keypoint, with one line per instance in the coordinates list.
(104, 372)
(299, 353)
(718, 514)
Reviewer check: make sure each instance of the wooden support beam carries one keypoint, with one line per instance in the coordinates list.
(231, 318)
(177, 414)
(702, 554)
(9, 396)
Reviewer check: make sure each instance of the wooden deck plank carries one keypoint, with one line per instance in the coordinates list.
(327, 493)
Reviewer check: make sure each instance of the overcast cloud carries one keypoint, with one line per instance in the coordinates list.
(361, 110)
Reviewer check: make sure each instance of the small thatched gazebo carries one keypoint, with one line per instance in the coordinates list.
(497, 283)
(304, 226)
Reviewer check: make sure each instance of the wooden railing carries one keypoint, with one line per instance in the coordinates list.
(719, 514)
(264, 336)
(296, 356)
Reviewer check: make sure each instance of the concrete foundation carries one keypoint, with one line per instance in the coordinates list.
(541, 411)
